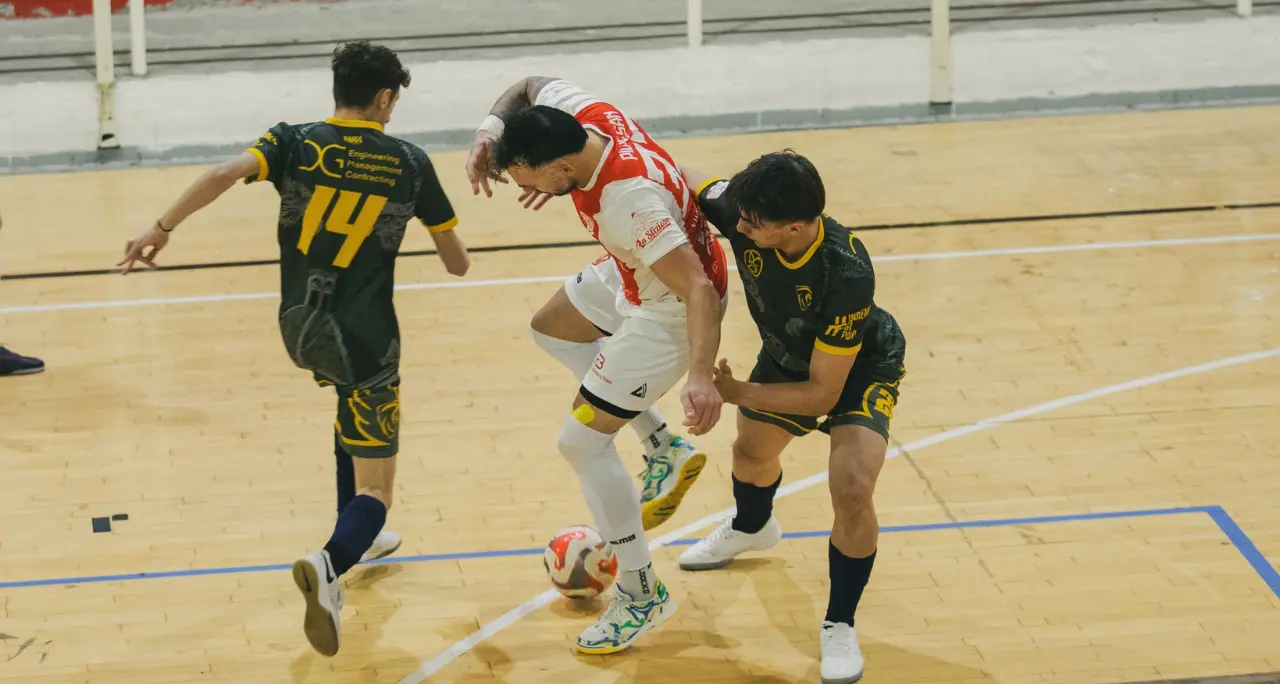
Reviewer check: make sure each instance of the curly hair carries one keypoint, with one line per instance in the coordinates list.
(361, 71)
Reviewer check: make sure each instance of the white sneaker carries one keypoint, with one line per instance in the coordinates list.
(725, 543)
(313, 573)
(667, 477)
(841, 657)
(384, 545)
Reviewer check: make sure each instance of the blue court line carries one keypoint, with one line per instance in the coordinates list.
(1219, 515)
(1241, 541)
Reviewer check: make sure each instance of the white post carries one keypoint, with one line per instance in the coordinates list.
(104, 51)
(1244, 8)
(940, 52)
(695, 23)
(138, 37)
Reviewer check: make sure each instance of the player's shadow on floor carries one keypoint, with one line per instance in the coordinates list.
(362, 630)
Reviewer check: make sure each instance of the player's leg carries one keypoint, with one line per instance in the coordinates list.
(757, 472)
(642, 353)
(387, 542)
(12, 363)
(857, 454)
(572, 327)
(859, 437)
(367, 429)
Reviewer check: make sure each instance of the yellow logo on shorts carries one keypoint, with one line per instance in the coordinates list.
(389, 418)
(805, 295)
(755, 262)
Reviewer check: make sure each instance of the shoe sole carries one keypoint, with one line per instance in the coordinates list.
(845, 680)
(659, 510)
(384, 554)
(317, 624)
(607, 650)
(25, 371)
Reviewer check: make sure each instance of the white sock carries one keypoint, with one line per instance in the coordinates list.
(614, 502)
(576, 356)
(651, 428)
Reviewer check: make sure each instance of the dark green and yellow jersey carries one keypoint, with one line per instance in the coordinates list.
(347, 192)
(822, 300)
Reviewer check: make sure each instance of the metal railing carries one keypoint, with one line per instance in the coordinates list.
(940, 58)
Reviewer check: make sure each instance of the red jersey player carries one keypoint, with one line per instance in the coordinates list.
(667, 279)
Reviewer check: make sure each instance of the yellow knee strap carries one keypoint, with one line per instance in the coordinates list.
(584, 414)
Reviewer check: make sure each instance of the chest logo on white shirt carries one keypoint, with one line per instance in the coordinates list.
(588, 222)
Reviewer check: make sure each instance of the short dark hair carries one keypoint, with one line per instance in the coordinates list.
(538, 135)
(779, 186)
(361, 71)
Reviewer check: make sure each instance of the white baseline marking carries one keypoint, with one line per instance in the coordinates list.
(485, 632)
(885, 258)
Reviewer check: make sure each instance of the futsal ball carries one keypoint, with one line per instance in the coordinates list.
(579, 562)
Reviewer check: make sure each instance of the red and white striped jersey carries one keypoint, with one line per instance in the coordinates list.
(637, 205)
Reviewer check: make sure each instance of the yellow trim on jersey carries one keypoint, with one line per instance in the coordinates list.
(353, 123)
(822, 231)
(783, 419)
(443, 227)
(706, 184)
(836, 351)
(263, 168)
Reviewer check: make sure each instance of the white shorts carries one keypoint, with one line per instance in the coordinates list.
(594, 293)
(640, 362)
(642, 358)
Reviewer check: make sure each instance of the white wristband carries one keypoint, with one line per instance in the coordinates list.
(494, 125)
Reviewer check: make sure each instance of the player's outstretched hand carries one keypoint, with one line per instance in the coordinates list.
(534, 199)
(479, 164)
(144, 248)
(701, 404)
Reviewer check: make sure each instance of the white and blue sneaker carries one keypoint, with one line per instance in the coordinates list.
(626, 620)
(667, 477)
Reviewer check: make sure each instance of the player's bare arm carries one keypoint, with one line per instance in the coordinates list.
(694, 178)
(520, 95)
(814, 397)
(682, 273)
(200, 194)
(452, 252)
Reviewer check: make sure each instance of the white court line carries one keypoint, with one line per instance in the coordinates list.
(462, 647)
(1012, 251)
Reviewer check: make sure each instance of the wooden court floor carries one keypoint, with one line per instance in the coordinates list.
(1085, 485)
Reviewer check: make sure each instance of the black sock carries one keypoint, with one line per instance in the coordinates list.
(346, 475)
(755, 505)
(358, 525)
(848, 578)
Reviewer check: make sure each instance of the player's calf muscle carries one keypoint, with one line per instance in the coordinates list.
(754, 464)
(376, 477)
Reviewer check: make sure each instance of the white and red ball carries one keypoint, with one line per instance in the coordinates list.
(579, 562)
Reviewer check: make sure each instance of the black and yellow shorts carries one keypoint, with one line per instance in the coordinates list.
(868, 399)
(368, 423)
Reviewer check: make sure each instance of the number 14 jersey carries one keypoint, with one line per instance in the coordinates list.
(347, 192)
